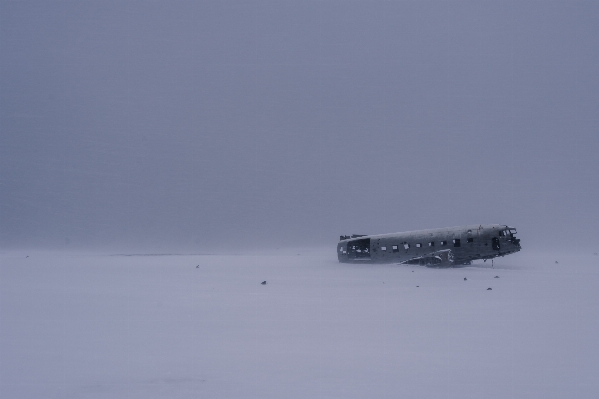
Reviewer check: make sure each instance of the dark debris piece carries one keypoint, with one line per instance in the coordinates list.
(489, 289)
(556, 262)
(465, 279)
(496, 277)
(198, 266)
(263, 283)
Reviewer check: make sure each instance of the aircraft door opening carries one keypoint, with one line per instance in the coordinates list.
(359, 249)
(495, 243)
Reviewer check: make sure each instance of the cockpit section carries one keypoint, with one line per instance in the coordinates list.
(509, 233)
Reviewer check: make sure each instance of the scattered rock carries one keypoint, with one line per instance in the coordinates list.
(556, 262)
(263, 283)
(412, 271)
(28, 256)
(198, 266)
(496, 276)
(465, 279)
(489, 289)
(417, 286)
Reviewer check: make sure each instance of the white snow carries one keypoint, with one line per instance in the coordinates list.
(77, 325)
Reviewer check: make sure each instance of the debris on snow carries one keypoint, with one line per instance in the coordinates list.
(489, 289)
(263, 283)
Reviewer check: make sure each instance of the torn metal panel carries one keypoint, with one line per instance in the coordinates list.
(439, 258)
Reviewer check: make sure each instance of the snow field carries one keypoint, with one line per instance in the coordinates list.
(83, 325)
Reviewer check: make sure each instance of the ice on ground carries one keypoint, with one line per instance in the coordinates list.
(95, 326)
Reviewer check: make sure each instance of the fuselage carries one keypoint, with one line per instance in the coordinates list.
(452, 245)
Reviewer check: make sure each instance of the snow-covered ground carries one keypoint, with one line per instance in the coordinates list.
(76, 325)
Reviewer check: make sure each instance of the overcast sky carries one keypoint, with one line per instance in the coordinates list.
(193, 125)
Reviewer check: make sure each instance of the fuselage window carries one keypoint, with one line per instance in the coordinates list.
(418, 245)
(443, 243)
(431, 244)
(383, 248)
(456, 242)
(406, 246)
(470, 239)
(395, 248)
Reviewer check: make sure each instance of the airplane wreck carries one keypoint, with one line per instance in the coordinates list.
(434, 247)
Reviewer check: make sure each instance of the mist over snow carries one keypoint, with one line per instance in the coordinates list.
(159, 160)
(76, 325)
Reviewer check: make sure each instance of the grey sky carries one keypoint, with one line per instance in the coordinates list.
(179, 125)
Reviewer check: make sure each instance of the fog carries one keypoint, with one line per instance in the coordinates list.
(194, 126)
(160, 160)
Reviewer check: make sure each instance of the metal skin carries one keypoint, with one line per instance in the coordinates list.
(434, 247)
